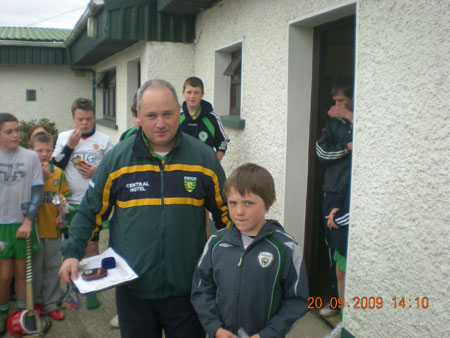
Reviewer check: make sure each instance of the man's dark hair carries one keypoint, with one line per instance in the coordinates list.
(193, 81)
(83, 104)
(7, 117)
(344, 84)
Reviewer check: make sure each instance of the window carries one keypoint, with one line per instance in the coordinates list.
(31, 94)
(107, 83)
(228, 85)
(234, 72)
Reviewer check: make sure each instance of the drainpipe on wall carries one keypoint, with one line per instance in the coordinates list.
(84, 70)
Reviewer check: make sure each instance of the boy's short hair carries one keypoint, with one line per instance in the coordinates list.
(41, 137)
(193, 81)
(83, 104)
(7, 117)
(252, 178)
(344, 84)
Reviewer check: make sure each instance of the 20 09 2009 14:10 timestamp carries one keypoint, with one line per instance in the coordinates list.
(370, 303)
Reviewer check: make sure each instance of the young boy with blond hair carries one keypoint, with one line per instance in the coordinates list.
(250, 279)
(48, 260)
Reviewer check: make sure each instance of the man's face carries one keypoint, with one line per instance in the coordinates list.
(84, 120)
(343, 101)
(192, 95)
(44, 151)
(159, 115)
(9, 137)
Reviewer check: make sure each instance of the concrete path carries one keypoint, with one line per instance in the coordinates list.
(83, 323)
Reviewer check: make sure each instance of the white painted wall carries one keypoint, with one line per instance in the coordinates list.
(262, 29)
(399, 239)
(163, 60)
(56, 88)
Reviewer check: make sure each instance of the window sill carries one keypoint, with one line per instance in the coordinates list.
(107, 123)
(233, 121)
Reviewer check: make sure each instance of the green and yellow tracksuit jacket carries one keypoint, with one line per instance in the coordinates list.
(159, 226)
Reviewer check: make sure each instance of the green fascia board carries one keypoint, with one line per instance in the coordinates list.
(121, 26)
(191, 7)
(32, 55)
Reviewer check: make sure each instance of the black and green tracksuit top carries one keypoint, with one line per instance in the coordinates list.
(262, 289)
(159, 224)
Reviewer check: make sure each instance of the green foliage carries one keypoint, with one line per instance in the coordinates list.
(26, 127)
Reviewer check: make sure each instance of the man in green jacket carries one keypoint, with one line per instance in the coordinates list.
(159, 181)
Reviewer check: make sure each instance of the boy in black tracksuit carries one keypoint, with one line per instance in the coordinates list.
(198, 118)
(250, 279)
(333, 149)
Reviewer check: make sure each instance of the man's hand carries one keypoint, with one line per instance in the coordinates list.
(350, 146)
(24, 230)
(74, 138)
(340, 111)
(69, 268)
(220, 155)
(331, 224)
(222, 333)
(86, 170)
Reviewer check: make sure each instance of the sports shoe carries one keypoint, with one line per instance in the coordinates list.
(115, 321)
(92, 302)
(56, 314)
(337, 331)
(327, 311)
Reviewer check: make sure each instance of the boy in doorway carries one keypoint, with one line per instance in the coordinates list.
(333, 149)
(253, 268)
(48, 260)
(198, 118)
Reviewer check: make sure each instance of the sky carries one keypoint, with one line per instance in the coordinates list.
(41, 13)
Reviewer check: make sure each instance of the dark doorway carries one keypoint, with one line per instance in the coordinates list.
(333, 56)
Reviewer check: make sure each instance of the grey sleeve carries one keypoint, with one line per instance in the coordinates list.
(37, 195)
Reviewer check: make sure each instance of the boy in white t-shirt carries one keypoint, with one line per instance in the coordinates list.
(78, 152)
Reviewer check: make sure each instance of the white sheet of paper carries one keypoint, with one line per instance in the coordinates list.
(122, 273)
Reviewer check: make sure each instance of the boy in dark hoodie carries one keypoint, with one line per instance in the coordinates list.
(250, 279)
(198, 118)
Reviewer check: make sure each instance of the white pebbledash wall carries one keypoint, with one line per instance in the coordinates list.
(159, 60)
(399, 236)
(56, 87)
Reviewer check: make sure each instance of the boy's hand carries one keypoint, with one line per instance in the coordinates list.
(86, 170)
(342, 112)
(331, 224)
(255, 336)
(74, 138)
(45, 169)
(222, 333)
(24, 230)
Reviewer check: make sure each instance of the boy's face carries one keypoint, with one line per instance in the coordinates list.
(343, 101)
(44, 151)
(9, 137)
(246, 211)
(84, 120)
(192, 95)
